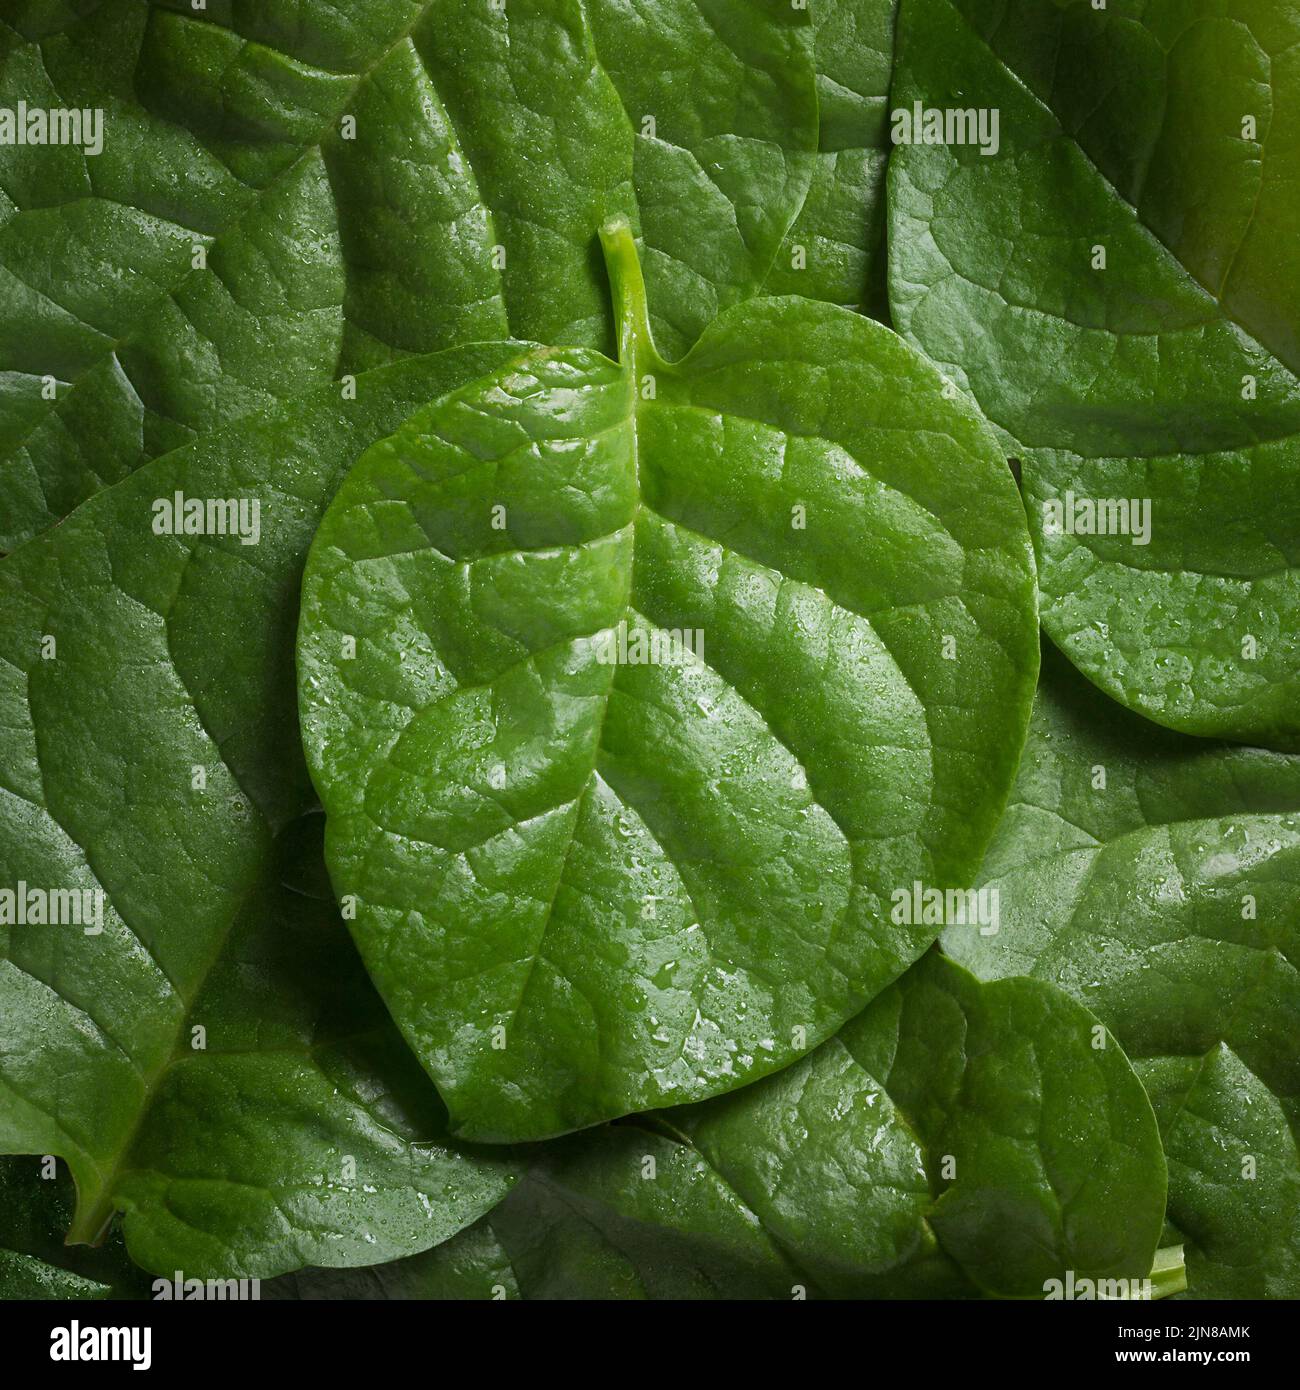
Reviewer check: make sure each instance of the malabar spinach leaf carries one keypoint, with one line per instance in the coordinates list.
(1234, 1175)
(213, 1062)
(1156, 878)
(835, 250)
(287, 192)
(471, 1266)
(1005, 1148)
(633, 692)
(1117, 286)
(1055, 1159)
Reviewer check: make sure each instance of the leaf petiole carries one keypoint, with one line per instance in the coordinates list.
(636, 348)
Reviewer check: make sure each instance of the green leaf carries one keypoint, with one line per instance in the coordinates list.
(587, 885)
(824, 1182)
(587, 1224)
(1055, 1159)
(1154, 877)
(1165, 378)
(471, 1266)
(146, 690)
(34, 1263)
(286, 193)
(835, 251)
(1234, 1175)
(24, 1277)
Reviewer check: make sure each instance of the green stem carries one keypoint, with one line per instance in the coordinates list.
(636, 348)
(1168, 1273)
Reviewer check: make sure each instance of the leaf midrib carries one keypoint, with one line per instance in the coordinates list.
(637, 350)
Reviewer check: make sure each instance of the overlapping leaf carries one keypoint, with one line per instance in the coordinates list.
(36, 1205)
(1234, 1175)
(956, 1139)
(1116, 286)
(213, 1062)
(836, 248)
(292, 193)
(289, 192)
(1156, 878)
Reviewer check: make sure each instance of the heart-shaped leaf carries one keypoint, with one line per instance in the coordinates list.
(634, 691)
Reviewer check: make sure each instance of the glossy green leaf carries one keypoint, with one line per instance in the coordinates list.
(835, 250)
(1116, 286)
(824, 1182)
(1234, 1175)
(1038, 1137)
(471, 1266)
(1156, 878)
(213, 1061)
(591, 878)
(286, 192)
